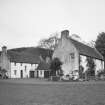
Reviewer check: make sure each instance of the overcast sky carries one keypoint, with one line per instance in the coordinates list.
(24, 22)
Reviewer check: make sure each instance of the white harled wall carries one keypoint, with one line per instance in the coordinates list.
(99, 64)
(83, 62)
(22, 66)
(41, 73)
(63, 51)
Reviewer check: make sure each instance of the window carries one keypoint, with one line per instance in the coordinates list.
(15, 71)
(72, 55)
(25, 68)
(40, 72)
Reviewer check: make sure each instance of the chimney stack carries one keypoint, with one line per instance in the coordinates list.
(4, 49)
(64, 34)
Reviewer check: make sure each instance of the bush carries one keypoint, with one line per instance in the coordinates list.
(55, 67)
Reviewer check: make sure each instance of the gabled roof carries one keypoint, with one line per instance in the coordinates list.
(86, 50)
(28, 55)
(43, 66)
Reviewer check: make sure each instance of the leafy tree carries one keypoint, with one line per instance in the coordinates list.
(50, 42)
(56, 66)
(91, 43)
(91, 66)
(100, 44)
(80, 68)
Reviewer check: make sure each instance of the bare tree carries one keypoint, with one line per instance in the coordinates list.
(49, 43)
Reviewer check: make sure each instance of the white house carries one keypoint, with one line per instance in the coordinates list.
(22, 62)
(70, 51)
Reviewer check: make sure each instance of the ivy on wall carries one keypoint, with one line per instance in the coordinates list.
(90, 66)
(81, 68)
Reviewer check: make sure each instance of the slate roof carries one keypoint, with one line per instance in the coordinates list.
(86, 50)
(43, 66)
(28, 55)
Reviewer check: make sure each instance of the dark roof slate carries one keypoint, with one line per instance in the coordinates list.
(28, 55)
(43, 66)
(86, 50)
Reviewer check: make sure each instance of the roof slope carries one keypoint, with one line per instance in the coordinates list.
(86, 50)
(43, 66)
(28, 55)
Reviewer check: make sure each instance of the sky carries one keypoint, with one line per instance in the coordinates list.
(24, 22)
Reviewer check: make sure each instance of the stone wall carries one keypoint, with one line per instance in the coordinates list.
(67, 53)
(4, 61)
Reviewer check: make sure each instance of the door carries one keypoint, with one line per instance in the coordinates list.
(32, 74)
(21, 73)
(46, 74)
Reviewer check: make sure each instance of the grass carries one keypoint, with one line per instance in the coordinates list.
(40, 92)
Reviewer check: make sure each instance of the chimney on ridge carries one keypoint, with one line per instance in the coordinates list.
(4, 49)
(64, 34)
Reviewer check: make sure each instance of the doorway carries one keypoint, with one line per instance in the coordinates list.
(32, 74)
(21, 73)
(46, 74)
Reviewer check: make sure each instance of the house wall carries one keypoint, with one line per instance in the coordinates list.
(41, 73)
(25, 67)
(99, 65)
(4, 61)
(63, 51)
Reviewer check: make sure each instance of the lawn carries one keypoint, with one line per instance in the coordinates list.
(39, 92)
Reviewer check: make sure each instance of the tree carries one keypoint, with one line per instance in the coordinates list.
(91, 43)
(56, 66)
(100, 44)
(49, 43)
(90, 67)
(81, 68)
(3, 73)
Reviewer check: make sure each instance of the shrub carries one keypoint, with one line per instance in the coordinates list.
(56, 67)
